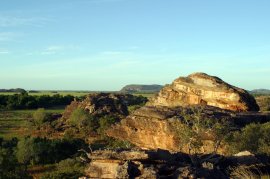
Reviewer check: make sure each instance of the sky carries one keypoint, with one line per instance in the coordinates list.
(106, 44)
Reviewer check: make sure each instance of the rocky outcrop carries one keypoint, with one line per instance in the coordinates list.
(203, 89)
(98, 104)
(154, 164)
(152, 127)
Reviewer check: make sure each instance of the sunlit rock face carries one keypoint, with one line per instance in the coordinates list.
(151, 127)
(203, 89)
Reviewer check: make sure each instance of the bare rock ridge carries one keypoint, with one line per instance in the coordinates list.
(203, 89)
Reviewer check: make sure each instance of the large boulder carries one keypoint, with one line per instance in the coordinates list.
(203, 89)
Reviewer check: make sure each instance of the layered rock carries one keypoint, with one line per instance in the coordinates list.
(203, 89)
(152, 127)
(154, 164)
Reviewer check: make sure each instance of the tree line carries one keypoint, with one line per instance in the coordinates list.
(25, 101)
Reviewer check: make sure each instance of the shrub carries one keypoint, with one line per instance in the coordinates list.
(68, 168)
(80, 118)
(191, 129)
(253, 137)
(44, 151)
(9, 166)
(40, 117)
(105, 122)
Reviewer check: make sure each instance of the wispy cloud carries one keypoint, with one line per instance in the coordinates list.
(7, 36)
(10, 21)
(54, 49)
(4, 51)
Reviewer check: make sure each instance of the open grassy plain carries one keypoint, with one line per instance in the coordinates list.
(14, 123)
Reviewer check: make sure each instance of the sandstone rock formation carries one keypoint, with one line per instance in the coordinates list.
(154, 164)
(100, 104)
(203, 89)
(150, 127)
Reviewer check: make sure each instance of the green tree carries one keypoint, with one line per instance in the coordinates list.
(83, 121)
(9, 165)
(40, 116)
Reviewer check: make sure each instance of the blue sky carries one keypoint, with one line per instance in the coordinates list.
(106, 44)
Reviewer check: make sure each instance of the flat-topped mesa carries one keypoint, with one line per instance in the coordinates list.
(203, 89)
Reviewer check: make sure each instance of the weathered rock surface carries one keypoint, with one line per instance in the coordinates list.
(203, 89)
(151, 127)
(133, 163)
(100, 104)
(156, 164)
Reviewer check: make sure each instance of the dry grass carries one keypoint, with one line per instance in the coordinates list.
(248, 172)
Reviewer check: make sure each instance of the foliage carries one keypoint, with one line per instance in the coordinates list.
(32, 150)
(9, 166)
(253, 137)
(135, 100)
(25, 101)
(117, 144)
(264, 103)
(40, 117)
(83, 121)
(105, 122)
(68, 168)
(194, 126)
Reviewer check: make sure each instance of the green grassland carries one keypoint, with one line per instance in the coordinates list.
(147, 95)
(14, 123)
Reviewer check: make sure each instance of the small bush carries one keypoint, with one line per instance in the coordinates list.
(40, 117)
(80, 118)
(254, 138)
(106, 122)
(68, 168)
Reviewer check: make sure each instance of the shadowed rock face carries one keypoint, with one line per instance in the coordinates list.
(154, 164)
(203, 89)
(100, 104)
